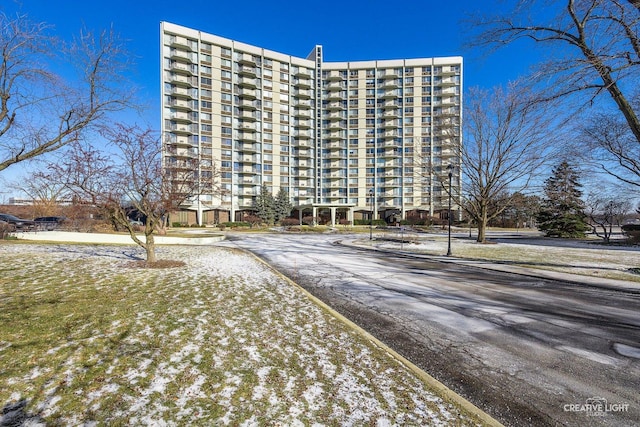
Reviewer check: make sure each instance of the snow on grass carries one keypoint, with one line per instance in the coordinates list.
(589, 258)
(88, 340)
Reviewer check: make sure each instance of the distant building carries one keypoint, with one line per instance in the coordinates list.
(30, 202)
(347, 140)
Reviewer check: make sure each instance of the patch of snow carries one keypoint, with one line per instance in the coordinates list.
(627, 350)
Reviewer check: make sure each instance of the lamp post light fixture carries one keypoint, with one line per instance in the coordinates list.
(450, 169)
(371, 218)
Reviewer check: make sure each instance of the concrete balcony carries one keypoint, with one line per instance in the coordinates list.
(247, 81)
(248, 115)
(180, 42)
(390, 123)
(392, 84)
(302, 134)
(303, 124)
(392, 93)
(336, 135)
(181, 80)
(180, 54)
(183, 68)
(182, 104)
(336, 125)
(303, 73)
(302, 83)
(302, 93)
(336, 85)
(302, 112)
(247, 59)
(248, 104)
(335, 105)
(301, 104)
(247, 136)
(183, 92)
(390, 104)
(247, 126)
(334, 75)
(247, 70)
(388, 74)
(304, 154)
(335, 96)
(247, 93)
(247, 147)
(182, 117)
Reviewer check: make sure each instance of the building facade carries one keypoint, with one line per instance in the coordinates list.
(346, 140)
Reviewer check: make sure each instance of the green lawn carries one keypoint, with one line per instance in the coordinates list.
(86, 337)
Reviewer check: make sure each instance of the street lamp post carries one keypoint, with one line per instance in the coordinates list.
(371, 218)
(450, 169)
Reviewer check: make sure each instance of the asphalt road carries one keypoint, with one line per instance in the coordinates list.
(528, 351)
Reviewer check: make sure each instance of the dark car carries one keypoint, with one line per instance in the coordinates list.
(49, 222)
(17, 223)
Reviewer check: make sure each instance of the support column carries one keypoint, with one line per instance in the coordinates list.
(314, 214)
(333, 216)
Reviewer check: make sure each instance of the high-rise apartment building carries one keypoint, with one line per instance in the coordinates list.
(345, 139)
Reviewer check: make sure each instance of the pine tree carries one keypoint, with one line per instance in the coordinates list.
(283, 206)
(562, 212)
(265, 206)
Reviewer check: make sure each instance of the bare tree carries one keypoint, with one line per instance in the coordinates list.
(612, 147)
(594, 46)
(507, 141)
(134, 181)
(45, 194)
(39, 111)
(605, 212)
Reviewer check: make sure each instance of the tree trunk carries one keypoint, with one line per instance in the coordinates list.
(482, 224)
(482, 229)
(150, 247)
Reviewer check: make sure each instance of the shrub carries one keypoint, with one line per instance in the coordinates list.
(178, 224)
(310, 220)
(5, 229)
(252, 220)
(289, 222)
(376, 222)
(236, 224)
(632, 231)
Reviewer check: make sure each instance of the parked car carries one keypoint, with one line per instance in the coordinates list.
(18, 223)
(49, 222)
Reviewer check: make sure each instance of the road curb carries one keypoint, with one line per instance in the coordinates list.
(438, 387)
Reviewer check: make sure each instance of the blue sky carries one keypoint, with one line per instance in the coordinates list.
(348, 30)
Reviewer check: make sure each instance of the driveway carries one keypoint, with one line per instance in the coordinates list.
(527, 350)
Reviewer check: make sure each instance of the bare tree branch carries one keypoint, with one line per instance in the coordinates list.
(594, 44)
(39, 111)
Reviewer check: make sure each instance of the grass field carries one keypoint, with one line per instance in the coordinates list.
(87, 338)
(587, 257)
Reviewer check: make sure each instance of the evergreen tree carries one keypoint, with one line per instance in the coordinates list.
(283, 206)
(265, 206)
(562, 212)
